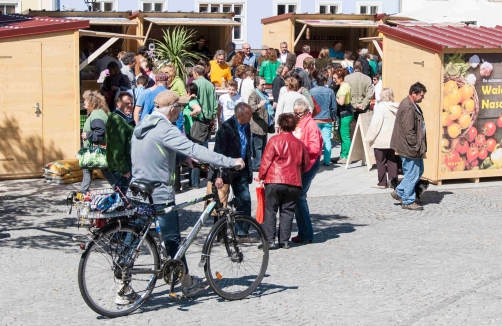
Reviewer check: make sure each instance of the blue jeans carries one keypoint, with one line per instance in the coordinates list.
(170, 227)
(326, 128)
(240, 186)
(413, 168)
(257, 146)
(302, 212)
(120, 181)
(194, 174)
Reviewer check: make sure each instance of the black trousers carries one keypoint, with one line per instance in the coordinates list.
(386, 164)
(282, 198)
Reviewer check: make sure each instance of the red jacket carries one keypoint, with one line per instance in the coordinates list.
(310, 135)
(284, 160)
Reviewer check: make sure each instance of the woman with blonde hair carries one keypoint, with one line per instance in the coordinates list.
(345, 112)
(94, 130)
(287, 100)
(379, 135)
(323, 59)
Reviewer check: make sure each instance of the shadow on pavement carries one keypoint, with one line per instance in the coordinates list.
(434, 197)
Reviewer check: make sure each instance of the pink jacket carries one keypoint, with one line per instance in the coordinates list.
(310, 135)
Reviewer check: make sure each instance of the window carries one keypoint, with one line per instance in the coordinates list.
(285, 8)
(237, 9)
(152, 6)
(8, 8)
(104, 6)
(329, 7)
(369, 8)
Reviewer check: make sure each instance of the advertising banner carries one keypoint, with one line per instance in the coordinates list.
(471, 119)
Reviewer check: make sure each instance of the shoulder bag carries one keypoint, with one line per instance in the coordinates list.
(200, 131)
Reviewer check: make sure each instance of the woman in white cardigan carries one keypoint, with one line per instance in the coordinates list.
(288, 99)
(379, 135)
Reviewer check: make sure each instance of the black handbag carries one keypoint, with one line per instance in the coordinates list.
(200, 131)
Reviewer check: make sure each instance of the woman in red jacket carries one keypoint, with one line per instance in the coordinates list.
(310, 135)
(283, 162)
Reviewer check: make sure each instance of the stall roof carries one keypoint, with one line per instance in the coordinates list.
(118, 21)
(437, 38)
(421, 23)
(22, 25)
(338, 23)
(323, 17)
(193, 21)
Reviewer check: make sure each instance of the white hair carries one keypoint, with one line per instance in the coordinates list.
(364, 52)
(387, 95)
(164, 110)
(300, 104)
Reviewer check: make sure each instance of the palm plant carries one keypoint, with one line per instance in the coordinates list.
(174, 50)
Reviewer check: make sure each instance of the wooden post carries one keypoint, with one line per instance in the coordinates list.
(147, 33)
(378, 48)
(96, 53)
(299, 35)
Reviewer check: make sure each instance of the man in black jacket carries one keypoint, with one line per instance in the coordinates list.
(233, 139)
(364, 62)
(410, 142)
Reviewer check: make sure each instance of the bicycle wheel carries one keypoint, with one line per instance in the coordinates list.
(107, 267)
(234, 269)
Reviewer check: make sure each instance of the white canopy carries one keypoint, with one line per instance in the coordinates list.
(483, 12)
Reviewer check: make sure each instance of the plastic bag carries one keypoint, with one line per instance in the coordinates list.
(92, 157)
(260, 209)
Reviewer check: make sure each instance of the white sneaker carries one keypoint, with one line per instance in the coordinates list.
(129, 296)
(197, 285)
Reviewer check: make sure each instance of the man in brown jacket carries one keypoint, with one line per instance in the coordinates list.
(259, 122)
(410, 142)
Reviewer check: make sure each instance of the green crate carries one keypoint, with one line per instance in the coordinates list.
(82, 121)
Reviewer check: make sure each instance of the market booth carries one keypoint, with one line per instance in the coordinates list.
(461, 68)
(321, 30)
(39, 119)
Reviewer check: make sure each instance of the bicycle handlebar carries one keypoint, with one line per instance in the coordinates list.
(207, 166)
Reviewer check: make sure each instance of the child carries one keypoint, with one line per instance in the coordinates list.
(141, 83)
(227, 102)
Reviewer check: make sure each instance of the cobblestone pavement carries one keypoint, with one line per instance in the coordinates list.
(371, 264)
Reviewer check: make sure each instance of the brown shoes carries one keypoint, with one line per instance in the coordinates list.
(413, 207)
(396, 196)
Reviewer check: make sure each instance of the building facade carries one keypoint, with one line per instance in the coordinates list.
(248, 12)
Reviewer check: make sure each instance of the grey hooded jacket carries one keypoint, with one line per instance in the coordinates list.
(154, 145)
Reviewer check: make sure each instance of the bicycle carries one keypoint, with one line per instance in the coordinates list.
(124, 258)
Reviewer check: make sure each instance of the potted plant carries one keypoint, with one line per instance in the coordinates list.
(174, 50)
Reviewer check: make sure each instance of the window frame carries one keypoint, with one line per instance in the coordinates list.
(297, 3)
(339, 4)
(115, 5)
(243, 16)
(165, 4)
(16, 4)
(369, 4)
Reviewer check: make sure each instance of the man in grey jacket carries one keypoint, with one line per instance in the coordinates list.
(155, 144)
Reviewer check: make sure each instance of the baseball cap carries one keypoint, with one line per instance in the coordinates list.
(167, 98)
(265, 47)
(161, 76)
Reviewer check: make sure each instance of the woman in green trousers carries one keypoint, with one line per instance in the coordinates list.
(345, 112)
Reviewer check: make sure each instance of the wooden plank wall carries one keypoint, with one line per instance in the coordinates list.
(401, 70)
(277, 32)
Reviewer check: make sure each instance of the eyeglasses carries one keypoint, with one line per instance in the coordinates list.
(375, 78)
(246, 48)
(300, 114)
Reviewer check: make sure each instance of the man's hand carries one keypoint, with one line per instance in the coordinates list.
(262, 103)
(190, 161)
(127, 175)
(239, 163)
(84, 135)
(219, 183)
(275, 105)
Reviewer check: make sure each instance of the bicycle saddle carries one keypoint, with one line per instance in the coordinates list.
(143, 186)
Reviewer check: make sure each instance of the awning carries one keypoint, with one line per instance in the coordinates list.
(420, 23)
(192, 21)
(110, 21)
(339, 23)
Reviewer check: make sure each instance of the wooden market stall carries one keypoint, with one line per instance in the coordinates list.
(39, 120)
(323, 30)
(461, 68)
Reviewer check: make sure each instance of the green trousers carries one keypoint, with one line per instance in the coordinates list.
(345, 135)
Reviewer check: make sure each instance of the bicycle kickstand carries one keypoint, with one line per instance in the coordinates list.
(172, 294)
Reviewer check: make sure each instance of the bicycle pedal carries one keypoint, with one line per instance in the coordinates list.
(175, 296)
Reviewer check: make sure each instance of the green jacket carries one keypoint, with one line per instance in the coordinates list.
(94, 126)
(118, 148)
(268, 70)
(207, 98)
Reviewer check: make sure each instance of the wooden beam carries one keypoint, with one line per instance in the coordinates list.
(96, 53)
(83, 32)
(147, 32)
(378, 48)
(299, 35)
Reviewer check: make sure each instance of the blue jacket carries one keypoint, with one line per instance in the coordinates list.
(326, 99)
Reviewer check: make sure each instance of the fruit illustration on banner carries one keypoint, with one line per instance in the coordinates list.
(471, 115)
